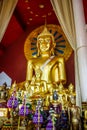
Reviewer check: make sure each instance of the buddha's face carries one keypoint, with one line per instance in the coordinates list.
(73, 100)
(44, 43)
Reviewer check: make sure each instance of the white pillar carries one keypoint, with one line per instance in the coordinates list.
(81, 45)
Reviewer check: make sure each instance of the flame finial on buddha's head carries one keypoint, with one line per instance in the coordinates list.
(45, 32)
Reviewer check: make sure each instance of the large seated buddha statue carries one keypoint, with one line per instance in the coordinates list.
(51, 66)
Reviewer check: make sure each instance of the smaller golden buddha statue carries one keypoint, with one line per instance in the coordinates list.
(26, 85)
(33, 88)
(3, 104)
(13, 88)
(71, 91)
(38, 86)
(3, 93)
(74, 114)
(65, 103)
(26, 91)
(61, 92)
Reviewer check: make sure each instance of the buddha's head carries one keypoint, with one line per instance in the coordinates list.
(45, 42)
(73, 100)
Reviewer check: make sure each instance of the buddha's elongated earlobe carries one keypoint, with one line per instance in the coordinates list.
(52, 48)
(38, 52)
(52, 51)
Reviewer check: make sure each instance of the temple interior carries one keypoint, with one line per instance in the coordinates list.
(43, 65)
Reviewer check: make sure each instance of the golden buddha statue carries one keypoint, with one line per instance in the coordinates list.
(71, 91)
(37, 87)
(61, 91)
(52, 67)
(64, 103)
(3, 93)
(13, 88)
(74, 114)
(40, 85)
(26, 91)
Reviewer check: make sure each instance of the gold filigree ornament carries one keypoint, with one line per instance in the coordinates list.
(62, 48)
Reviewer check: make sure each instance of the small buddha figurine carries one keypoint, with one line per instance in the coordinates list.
(13, 87)
(52, 67)
(26, 85)
(65, 103)
(3, 93)
(74, 114)
(71, 91)
(38, 86)
(61, 92)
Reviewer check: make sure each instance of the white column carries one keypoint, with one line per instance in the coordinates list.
(81, 46)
